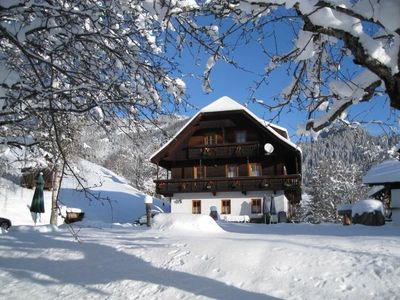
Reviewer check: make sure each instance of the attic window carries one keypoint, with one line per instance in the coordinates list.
(240, 136)
(209, 140)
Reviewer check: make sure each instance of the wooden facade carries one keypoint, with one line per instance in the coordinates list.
(30, 175)
(224, 151)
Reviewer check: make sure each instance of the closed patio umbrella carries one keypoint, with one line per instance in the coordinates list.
(37, 205)
(266, 205)
(272, 209)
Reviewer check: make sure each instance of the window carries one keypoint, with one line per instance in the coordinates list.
(225, 207)
(196, 207)
(240, 136)
(254, 169)
(199, 172)
(232, 171)
(255, 206)
(209, 140)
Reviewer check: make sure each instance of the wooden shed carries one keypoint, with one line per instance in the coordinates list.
(29, 176)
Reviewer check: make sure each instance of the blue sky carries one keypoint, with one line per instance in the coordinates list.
(226, 80)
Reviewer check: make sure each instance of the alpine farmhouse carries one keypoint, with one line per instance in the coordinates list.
(228, 160)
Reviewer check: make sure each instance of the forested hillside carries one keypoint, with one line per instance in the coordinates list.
(128, 153)
(333, 167)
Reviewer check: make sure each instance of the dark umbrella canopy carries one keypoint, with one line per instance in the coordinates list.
(37, 205)
(266, 204)
(272, 208)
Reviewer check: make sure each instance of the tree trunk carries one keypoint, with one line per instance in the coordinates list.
(148, 214)
(57, 179)
(53, 216)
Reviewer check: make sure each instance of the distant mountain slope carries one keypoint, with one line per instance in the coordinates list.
(128, 154)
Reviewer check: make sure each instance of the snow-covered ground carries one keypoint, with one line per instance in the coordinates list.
(186, 256)
(178, 261)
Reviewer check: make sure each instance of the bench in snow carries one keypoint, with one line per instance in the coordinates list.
(71, 214)
(235, 219)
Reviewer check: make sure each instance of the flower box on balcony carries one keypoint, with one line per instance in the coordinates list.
(235, 185)
(210, 185)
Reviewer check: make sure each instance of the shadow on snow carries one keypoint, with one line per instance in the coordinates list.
(102, 265)
(313, 229)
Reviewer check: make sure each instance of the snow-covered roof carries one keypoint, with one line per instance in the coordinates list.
(387, 171)
(367, 206)
(375, 189)
(344, 206)
(224, 104)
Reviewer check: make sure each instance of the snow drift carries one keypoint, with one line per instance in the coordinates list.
(186, 222)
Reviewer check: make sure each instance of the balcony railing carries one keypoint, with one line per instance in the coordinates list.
(224, 151)
(242, 184)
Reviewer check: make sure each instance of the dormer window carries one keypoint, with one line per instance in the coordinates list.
(240, 136)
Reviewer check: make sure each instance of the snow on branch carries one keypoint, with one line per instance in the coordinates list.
(331, 32)
(119, 57)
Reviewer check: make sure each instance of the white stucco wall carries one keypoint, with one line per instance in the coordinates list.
(396, 216)
(240, 203)
(395, 205)
(395, 198)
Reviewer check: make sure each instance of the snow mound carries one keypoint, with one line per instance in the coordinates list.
(367, 206)
(40, 228)
(186, 222)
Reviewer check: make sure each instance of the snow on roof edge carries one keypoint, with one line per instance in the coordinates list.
(226, 103)
(267, 123)
(386, 171)
(375, 189)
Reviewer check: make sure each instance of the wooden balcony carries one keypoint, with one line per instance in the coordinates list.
(224, 151)
(222, 184)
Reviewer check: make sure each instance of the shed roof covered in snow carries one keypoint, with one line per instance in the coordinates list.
(375, 189)
(384, 173)
(226, 104)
